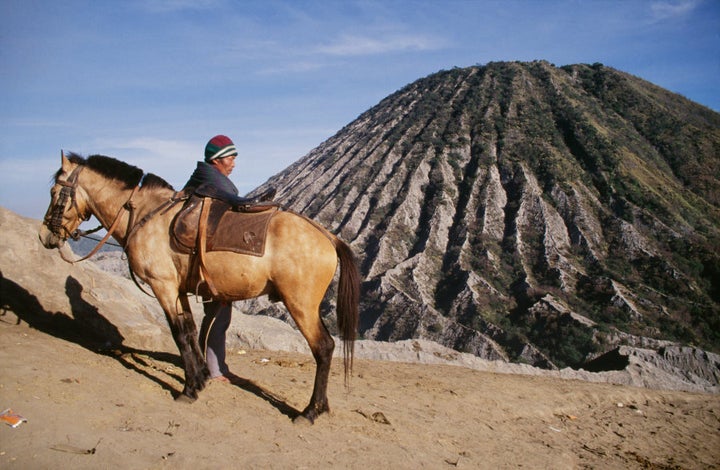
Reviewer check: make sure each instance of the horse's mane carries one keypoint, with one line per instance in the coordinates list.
(154, 181)
(115, 169)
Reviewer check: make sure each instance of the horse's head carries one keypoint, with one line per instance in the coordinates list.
(67, 209)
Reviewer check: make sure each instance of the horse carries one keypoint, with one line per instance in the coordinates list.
(298, 265)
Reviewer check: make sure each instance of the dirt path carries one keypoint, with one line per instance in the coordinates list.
(88, 410)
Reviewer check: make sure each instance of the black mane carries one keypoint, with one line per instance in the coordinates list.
(112, 168)
(154, 181)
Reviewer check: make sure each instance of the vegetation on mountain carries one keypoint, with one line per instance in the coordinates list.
(524, 211)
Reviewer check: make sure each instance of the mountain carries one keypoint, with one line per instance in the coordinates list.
(526, 212)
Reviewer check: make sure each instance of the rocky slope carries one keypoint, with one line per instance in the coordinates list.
(95, 305)
(524, 212)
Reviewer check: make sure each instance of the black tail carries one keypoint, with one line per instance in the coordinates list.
(348, 301)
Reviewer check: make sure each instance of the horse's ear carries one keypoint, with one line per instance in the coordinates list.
(65, 162)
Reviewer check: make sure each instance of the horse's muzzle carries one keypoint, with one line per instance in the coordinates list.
(49, 239)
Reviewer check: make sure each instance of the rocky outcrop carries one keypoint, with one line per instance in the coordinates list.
(696, 369)
(81, 301)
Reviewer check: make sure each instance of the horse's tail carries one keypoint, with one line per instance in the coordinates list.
(347, 302)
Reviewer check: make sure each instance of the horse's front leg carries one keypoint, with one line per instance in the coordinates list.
(180, 318)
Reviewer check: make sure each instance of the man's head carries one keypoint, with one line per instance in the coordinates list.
(221, 152)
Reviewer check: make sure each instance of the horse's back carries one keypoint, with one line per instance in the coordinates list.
(295, 242)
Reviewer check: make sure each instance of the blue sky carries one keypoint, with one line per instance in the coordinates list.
(149, 82)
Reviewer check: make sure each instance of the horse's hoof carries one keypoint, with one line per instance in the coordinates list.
(182, 398)
(302, 420)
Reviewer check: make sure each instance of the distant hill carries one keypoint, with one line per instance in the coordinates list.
(527, 212)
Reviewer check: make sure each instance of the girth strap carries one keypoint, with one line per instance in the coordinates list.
(202, 246)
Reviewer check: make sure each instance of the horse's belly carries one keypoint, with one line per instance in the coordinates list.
(238, 276)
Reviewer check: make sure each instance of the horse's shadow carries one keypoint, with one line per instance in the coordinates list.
(89, 329)
(255, 389)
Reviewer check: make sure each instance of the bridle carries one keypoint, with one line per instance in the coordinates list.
(54, 219)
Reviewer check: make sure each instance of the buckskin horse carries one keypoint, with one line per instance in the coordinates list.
(299, 262)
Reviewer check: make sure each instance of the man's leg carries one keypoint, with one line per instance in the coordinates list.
(212, 336)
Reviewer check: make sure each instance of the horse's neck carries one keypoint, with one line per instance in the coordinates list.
(106, 205)
(114, 208)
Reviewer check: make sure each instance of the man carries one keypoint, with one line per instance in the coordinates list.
(210, 178)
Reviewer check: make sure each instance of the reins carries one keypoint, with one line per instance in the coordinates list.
(162, 208)
(132, 229)
(129, 206)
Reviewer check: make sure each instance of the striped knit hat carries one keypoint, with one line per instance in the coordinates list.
(219, 146)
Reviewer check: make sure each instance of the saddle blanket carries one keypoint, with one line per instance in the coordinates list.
(227, 230)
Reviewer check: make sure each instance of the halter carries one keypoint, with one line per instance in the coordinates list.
(54, 220)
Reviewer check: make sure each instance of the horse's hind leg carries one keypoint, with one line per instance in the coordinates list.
(185, 334)
(322, 346)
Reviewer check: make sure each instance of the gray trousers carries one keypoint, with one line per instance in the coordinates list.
(212, 336)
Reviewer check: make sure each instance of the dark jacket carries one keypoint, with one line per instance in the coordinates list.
(206, 174)
(207, 181)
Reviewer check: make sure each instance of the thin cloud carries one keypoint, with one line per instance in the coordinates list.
(668, 10)
(291, 67)
(150, 145)
(364, 45)
(167, 6)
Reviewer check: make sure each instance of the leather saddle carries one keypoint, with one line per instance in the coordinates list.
(206, 224)
(221, 226)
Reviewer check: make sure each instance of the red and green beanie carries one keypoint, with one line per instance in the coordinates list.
(219, 146)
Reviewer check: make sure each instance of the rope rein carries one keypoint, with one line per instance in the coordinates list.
(127, 206)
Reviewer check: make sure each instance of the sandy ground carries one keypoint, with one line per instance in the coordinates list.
(90, 410)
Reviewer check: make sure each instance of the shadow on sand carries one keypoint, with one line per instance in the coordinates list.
(89, 329)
